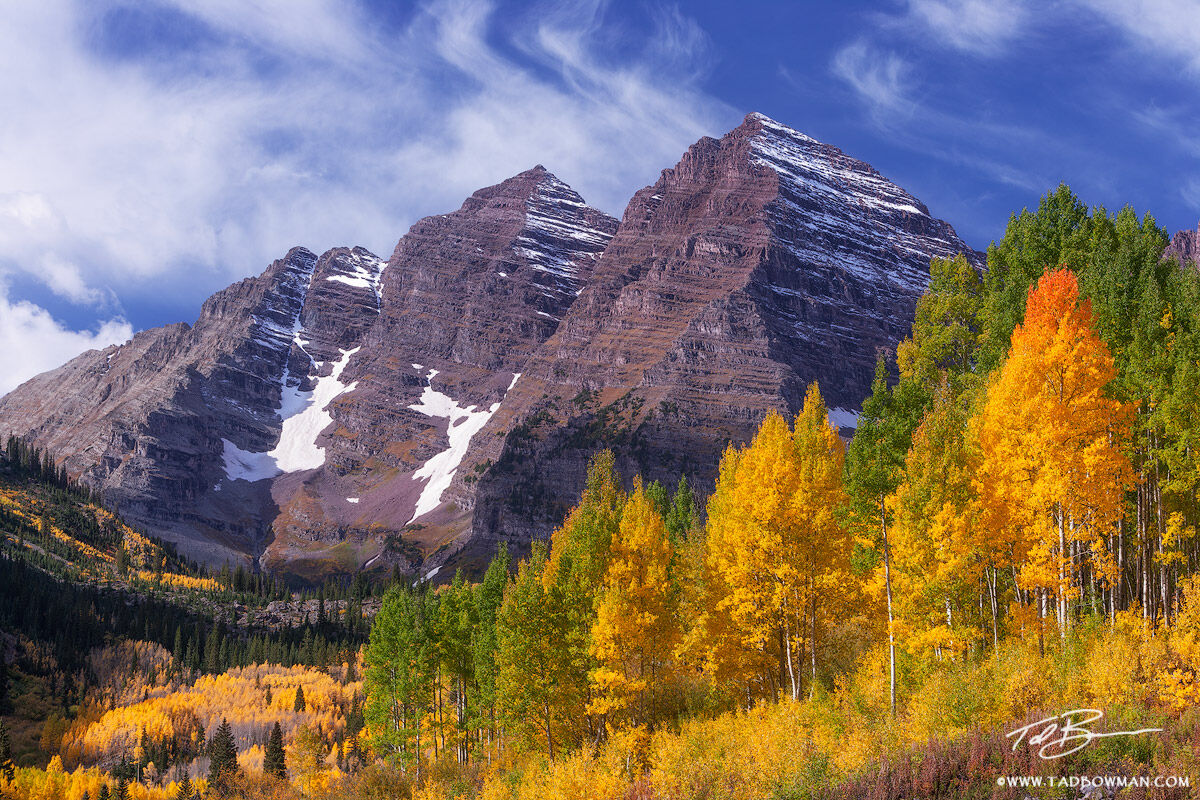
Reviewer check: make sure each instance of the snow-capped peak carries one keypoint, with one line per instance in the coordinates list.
(840, 212)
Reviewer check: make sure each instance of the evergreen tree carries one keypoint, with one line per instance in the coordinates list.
(212, 650)
(184, 790)
(682, 513)
(104, 793)
(122, 790)
(122, 560)
(299, 704)
(6, 763)
(222, 755)
(274, 758)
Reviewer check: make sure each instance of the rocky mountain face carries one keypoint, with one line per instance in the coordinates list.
(1184, 247)
(761, 262)
(344, 412)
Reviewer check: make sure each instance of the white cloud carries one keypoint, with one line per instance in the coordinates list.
(1190, 192)
(31, 341)
(980, 27)
(290, 122)
(1161, 27)
(65, 280)
(877, 75)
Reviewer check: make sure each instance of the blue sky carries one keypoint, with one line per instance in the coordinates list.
(156, 151)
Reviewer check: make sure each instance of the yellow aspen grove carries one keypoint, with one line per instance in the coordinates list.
(1053, 470)
(636, 631)
(776, 553)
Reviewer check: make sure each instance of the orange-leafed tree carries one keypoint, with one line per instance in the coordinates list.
(1053, 467)
(636, 630)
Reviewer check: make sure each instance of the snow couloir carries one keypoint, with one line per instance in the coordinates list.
(463, 424)
(304, 416)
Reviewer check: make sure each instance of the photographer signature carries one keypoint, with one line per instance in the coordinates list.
(1067, 733)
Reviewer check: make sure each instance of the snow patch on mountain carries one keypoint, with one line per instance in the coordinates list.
(365, 271)
(464, 423)
(835, 210)
(557, 235)
(304, 416)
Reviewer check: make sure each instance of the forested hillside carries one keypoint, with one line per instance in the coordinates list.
(1011, 533)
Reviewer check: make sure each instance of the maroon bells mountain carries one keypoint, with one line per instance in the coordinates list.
(345, 412)
(1184, 247)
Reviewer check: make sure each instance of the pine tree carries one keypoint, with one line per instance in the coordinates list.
(222, 754)
(274, 758)
(184, 790)
(122, 560)
(682, 513)
(6, 763)
(212, 651)
(299, 704)
(103, 794)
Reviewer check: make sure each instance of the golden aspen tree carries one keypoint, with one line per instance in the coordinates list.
(636, 630)
(776, 552)
(1053, 471)
(822, 543)
(936, 560)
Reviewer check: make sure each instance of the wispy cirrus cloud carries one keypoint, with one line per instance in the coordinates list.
(887, 86)
(1161, 28)
(978, 27)
(878, 76)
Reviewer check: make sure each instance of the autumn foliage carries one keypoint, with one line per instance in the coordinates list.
(1011, 530)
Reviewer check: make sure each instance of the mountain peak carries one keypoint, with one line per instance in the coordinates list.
(756, 122)
(1184, 246)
